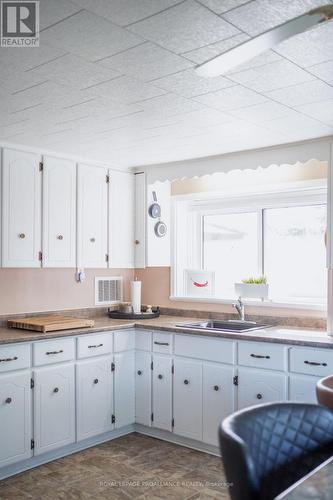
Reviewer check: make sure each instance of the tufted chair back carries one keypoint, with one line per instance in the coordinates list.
(269, 447)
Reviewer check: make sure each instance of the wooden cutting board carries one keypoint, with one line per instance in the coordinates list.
(50, 323)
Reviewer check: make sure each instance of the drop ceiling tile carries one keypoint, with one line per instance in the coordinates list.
(51, 12)
(303, 93)
(299, 126)
(123, 12)
(208, 52)
(89, 36)
(271, 76)
(19, 59)
(185, 27)
(189, 84)
(147, 62)
(221, 6)
(260, 113)
(322, 111)
(258, 61)
(231, 98)
(16, 81)
(74, 71)
(324, 71)
(169, 104)
(312, 47)
(261, 15)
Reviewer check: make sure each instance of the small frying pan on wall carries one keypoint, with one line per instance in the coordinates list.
(154, 210)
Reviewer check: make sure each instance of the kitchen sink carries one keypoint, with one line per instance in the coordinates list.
(225, 326)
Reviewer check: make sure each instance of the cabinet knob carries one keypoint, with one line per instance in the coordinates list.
(186, 382)
(60, 237)
(92, 240)
(137, 242)
(259, 396)
(96, 381)
(160, 376)
(8, 401)
(22, 236)
(139, 372)
(56, 389)
(216, 387)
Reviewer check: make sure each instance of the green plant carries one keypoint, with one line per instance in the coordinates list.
(261, 280)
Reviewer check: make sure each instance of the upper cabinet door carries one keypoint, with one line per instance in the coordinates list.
(140, 221)
(121, 219)
(59, 213)
(21, 210)
(92, 216)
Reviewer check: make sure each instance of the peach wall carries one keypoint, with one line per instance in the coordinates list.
(34, 290)
(156, 291)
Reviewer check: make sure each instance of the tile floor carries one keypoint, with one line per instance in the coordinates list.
(133, 466)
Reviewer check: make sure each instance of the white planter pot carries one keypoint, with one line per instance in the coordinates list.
(251, 291)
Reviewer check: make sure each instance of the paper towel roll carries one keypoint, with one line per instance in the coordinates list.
(136, 296)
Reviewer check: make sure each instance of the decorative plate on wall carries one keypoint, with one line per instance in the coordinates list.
(199, 283)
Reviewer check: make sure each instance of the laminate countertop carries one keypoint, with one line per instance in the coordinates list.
(276, 334)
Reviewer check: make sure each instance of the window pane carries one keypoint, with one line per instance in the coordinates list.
(295, 254)
(230, 248)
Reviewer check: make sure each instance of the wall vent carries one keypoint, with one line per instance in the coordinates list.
(108, 290)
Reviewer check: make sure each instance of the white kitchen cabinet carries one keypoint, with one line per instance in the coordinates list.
(162, 392)
(21, 209)
(140, 220)
(59, 212)
(143, 389)
(187, 398)
(218, 399)
(94, 392)
(15, 418)
(54, 407)
(121, 220)
(92, 243)
(260, 386)
(303, 388)
(124, 388)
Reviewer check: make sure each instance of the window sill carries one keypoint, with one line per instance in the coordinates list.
(253, 303)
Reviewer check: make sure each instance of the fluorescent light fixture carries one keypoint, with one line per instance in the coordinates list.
(261, 43)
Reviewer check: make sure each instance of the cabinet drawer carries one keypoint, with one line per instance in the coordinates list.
(311, 361)
(14, 357)
(124, 340)
(210, 349)
(94, 345)
(162, 342)
(53, 351)
(262, 355)
(143, 340)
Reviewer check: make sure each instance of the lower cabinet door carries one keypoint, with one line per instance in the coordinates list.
(143, 371)
(94, 395)
(260, 386)
(54, 407)
(218, 399)
(124, 388)
(15, 418)
(303, 388)
(162, 392)
(187, 401)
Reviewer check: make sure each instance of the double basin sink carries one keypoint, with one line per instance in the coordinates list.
(225, 326)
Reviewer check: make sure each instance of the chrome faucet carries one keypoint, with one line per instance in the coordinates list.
(240, 307)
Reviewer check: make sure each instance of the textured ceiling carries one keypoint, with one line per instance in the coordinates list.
(114, 80)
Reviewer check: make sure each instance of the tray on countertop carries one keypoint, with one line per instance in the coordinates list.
(131, 315)
(50, 323)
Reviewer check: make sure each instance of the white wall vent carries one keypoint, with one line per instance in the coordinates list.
(108, 290)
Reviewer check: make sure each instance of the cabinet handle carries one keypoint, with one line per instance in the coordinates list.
(216, 388)
(137, 242)
(56, 389)
(259, 356)
(5, 360)
(161, 343)
(259, 396)
(54, 352)
(95, 346)
(92, 240)
(60, 237)
(22, 236)
(96, 381)
(139, 372)
(8, 401)
(314, 363)
(160, 376)
(186, 382)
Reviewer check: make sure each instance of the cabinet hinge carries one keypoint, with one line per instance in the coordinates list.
(152, 365)
(113, 367)
(40, 256)
(32, 383)
(41, 166)
(172, 369)
(152, 417)
(106, 257)
(235, 380)
(173, 422)
(107, 179)
(32, 444)
(113, 419)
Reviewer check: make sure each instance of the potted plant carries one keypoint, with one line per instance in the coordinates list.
(253, 288)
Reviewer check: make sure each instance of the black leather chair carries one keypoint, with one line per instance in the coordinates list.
(267, 448)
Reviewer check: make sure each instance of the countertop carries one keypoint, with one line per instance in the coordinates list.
(281, 335)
